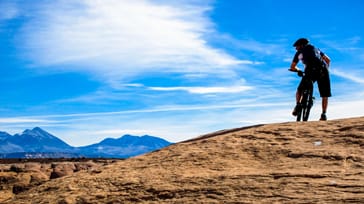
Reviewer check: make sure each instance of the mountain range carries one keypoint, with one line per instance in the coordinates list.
(37, 143)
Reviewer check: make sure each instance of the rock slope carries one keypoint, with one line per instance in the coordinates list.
(311, 162)
(19, 175)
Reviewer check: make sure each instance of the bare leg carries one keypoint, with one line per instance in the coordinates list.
(325, 101)
(298, 96)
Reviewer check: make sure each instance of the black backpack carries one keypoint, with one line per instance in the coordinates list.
(312, 58)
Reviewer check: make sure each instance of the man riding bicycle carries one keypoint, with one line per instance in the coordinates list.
(316, 69)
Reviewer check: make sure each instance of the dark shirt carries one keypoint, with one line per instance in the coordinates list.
(310, 56)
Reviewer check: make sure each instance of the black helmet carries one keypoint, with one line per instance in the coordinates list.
(301, 41)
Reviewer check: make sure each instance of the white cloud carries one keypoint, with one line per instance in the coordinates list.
(351, 45)
(205, 90)
(346, 109)
(21, 120)
(117, 39)
(353, 75)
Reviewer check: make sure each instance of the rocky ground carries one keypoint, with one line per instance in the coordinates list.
(19, 175)
(312, 162)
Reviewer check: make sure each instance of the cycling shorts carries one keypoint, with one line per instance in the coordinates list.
(323, 82)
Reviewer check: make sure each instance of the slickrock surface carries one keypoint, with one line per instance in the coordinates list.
(312, 162)
(19, 175)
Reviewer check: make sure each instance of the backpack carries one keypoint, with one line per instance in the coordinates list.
(312, 58)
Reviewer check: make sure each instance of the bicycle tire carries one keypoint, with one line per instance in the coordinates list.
(306, 111)
(306, 114)
(307, 105)
(304, 106)
(299, 112)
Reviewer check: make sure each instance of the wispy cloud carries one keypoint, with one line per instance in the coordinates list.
(251, 46)
(22, 120)
(119, 39)
(353, 76)
(205, 90)
(348, 45)
(47, 118)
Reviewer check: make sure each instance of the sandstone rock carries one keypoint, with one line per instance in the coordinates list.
(86, 166)
(32, 167)
(62, 169)
(38, 177)
(17, 167)
(16, 178)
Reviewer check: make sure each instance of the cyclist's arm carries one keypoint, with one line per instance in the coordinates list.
(294, 63)
(326, 59)
(294, 67)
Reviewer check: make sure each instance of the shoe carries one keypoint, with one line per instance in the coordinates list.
(294, 112)
(323, 117)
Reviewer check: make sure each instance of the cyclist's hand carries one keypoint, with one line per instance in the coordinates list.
(300, 73)
(293, 70)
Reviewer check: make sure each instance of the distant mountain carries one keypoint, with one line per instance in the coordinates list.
(125, 146)
(4, 135)
(37, 143)
(36, 140)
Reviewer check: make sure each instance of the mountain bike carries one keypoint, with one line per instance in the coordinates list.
(305, 103)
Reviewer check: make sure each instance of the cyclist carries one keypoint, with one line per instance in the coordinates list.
(316, 68)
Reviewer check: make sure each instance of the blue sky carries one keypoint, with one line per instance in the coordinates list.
(93, 69)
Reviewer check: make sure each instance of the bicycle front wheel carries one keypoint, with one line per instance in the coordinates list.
(307, 107)
(306, 113)
(299, 112)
